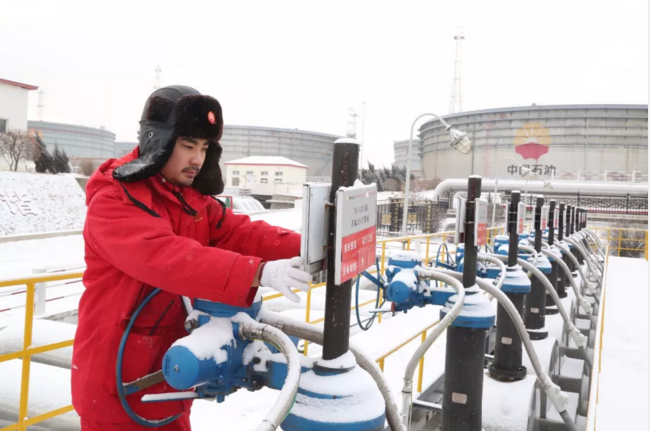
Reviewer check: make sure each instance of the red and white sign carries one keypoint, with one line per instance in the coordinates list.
(356, 231)
(481, 222)
(556, 219)
(521, 217)
(544, 224)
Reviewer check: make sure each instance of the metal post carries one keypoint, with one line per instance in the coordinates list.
(562, 280)
(513, 240)
(508, 349)
(535, 310)
(464, 366)
(336, 337)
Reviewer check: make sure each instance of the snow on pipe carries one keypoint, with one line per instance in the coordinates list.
(577, 336)
(537, 186)
(585, 254)
(583, 303)
(597, 254)
(530, 250)
(252, 330)
(407, 388)
(597, 245)
(308, 332)
(555, 394)
(566, 251)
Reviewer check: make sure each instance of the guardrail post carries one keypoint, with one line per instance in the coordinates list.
(40, 294)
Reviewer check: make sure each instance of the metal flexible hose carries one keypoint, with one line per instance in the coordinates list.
(407, 388)
(583, 303)
(542, 377)
(252, 330)
(312, 334)
(575, 332)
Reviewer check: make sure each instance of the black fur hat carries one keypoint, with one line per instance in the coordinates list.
(171, 112)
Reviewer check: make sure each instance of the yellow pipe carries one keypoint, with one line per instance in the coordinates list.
(322, 319)
(39, 418)
(421, 365)
(27, 341)
(41, 279)
(406, 342)
(426, 255)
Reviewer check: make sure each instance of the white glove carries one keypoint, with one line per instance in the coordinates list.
(283, 275)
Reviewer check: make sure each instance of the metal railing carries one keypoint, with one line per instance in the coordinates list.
(624, 241)
(402, 243)
(28, 351)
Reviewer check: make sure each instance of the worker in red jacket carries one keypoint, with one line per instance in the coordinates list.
(152, 223)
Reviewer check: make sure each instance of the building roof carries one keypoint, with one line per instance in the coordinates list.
(266, 161)
(18, 84)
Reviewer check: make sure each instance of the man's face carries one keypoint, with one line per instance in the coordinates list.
(186, 161)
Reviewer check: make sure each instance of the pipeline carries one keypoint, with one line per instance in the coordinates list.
(407, 388)
(583, 303)
(252, 330)
(586, 256)
(558, 399)
(577, 336)
(307, 332)
(566, 251)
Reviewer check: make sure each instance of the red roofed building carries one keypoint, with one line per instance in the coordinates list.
(13, 105)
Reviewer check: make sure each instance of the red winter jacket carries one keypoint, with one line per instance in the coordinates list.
(129, 251)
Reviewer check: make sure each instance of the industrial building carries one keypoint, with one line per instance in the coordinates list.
(268, 175)
(13, 106)
(587, 142)
(79, 142)
(312, 149)
(401, 150)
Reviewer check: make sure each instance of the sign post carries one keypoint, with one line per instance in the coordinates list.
(338, 296)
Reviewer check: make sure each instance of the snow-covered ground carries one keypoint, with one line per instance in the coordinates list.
(31, 203)
(623, 385)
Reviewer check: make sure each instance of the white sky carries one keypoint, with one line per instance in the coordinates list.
(303, 65)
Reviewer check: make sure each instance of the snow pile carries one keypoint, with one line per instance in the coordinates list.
(31, 203)
(208, 340)
(359, 401)
(20, 257)
(49, 389)
(43, 332)
(623, 382)
(506, 405)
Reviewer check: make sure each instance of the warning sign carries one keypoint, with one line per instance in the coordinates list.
(521, 217)
(481, 223)
(544, 221)
(356, 231)
(556, 219)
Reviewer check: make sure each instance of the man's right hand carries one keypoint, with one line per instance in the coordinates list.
(284, 275)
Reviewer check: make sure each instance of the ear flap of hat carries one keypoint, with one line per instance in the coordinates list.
(156, 146)
(209, 180)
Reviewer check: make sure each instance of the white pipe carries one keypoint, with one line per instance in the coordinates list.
(252, 330)
(305, 331)
(407, 388)
(583, 303)
(557, 397)
(538, 186)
